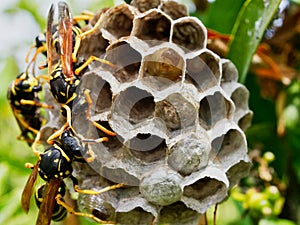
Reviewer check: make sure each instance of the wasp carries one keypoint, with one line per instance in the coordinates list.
(65, 77)
(53, 166)
(23, 98)
(40, 43)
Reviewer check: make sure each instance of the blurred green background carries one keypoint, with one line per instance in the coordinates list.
(22, 20)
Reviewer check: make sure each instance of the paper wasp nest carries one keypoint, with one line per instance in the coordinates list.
(178, 112)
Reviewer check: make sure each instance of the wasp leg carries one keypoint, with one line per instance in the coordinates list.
(28, 54)
(82, 35)
(72, 211)
(24, 123)
(93, 192)
(84, 16)
(90, 151)
(92, 155)
(38, 51)
(45, 77)
(43, 65)
(97, 125)
(66, 125)
(90, 60)
(99, 140)
(22, 138)
(29, 165)
(35, 103)
(33, 146)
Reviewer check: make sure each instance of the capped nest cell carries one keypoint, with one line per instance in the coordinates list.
(178, 112)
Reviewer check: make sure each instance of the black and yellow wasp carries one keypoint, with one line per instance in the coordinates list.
(55, 163)
(25, 103)
(53, 166)
(65, 42)
(40, 43)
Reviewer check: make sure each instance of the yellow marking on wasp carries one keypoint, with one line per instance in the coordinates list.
(72, 98)
(63, 153)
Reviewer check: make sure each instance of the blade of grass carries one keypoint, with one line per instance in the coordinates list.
(248, 31)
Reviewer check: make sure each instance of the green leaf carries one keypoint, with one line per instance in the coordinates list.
(248, 30)
(275, 222)
(101, 4)
(296, 1)
(222, 15)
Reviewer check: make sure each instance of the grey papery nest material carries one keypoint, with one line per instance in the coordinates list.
(178, 112)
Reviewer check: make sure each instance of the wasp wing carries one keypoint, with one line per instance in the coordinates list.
(49, 39)
(65, 24)
(48, 203)
(28, 189)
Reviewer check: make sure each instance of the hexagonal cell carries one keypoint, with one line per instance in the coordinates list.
(174, 9)
(136, 216)
(145, 5)
(96, 206)
(205, 190)
(178, 214)
(117, 21)
(203, 71)
(94, 45)
(212, 109)
(189, 154)
(161, 186)
(176, 112)
(116, 173)
(189, 33)
(238, 171)
(134, 105)
(229, 71)
(100, 206)
(115, 143)
(162, 68)
(152, 26)
(146, 147)
(245, 121)
(242, 113)
(240, 97)
(126, 58)
(228, 149)
(99, 91)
